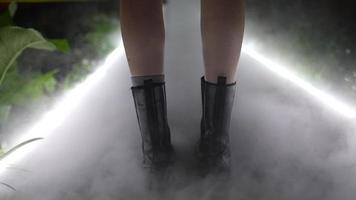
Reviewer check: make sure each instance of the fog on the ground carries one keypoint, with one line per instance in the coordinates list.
(285, 144)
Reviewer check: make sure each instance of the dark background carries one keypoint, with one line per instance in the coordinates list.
(285, 145)
(315, 38)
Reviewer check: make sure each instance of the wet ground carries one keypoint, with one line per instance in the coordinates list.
(284, 144)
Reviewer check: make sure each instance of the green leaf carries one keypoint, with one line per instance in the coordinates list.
(13, 40)
(4, 113)
(13, 149)
(6, 19)
(22, 89)
(61, 44)
(12, 8)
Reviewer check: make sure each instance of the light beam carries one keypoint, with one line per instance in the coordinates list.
(53, 118)
(325, 98)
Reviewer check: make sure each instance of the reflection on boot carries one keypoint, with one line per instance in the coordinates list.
(213, 150)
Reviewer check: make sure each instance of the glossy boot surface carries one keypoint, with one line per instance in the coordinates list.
(151, 110)
(217, 103)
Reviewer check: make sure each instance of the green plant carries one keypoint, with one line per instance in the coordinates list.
(16, 88)
(101, 28)
(77, 74)
(13, 41)
(21, 88)
(12, 150)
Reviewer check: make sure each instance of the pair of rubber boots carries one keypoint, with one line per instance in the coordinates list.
(213, 148)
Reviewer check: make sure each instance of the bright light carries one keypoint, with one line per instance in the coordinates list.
(283, 72)
(52, 119)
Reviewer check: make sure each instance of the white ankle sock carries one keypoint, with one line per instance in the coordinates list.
(139, 80)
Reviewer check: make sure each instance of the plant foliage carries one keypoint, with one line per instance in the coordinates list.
(13, 40)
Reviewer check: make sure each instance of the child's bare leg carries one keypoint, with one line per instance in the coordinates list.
(222, 26)
(143, 35)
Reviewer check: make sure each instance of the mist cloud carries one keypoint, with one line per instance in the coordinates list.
(284, 144)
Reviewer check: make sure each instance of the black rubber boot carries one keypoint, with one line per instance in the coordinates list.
(151, 110)
(217, 104)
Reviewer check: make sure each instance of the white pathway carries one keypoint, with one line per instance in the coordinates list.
(285, 145)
